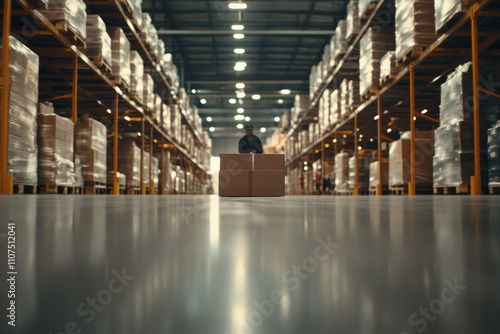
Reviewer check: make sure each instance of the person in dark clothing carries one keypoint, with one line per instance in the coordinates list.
(250, 143)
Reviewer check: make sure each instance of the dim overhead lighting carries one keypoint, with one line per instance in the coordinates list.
(256, 97)
(280, 101)
(240, 85)
(237, 5)
(315, 118)
(126, 118)
(424, 111)
(263, 129)
(305, 162)
(239, 36)
(327, 145)
(240, 110)
(239, 117)
(371, 140)
(241, 95)
(306, 168)
(232, 101)
(375, 118)
(239, 51)
(345, 136)
(414, 118)
(276, 119)
(209, 119)
(138, 134)
(155, 140)
(239, 126)
(359, 148)
(203, 101)
(109, 111)
(389, 130)
(193, 91)
(237, 27)
(285, 91)
(247, 119)
(211, 129)
(386, 111)
(334, 140)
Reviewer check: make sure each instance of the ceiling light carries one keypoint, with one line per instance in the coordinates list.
(240, 64)
(109, 111)
(345, 136)
(239, 126)
(285, 91)
(386, 111)
(211, 129)
(256, 97)
(305, 162)
(203, 101)
(240, 85)
(247, 119)
(371, 140)
(424, 111)
(239, 36)
(389, 130)
(327, 145)
(237, 5)
(155, 140)
(239, 117)
(126, 118)
(237, 27)
(315, 118)
(232, 101)
(193, 91)
(276, 119)
(262, 130)
(359, 148)
(239, 51)
(138, 134)
(334, 140)
(414, 118)
(209, 119)
(280, 101)
(360, 136)
(240, 110)
(375, 118)
(240, 95)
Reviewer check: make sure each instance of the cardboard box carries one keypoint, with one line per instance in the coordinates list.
(269, 162)
(268, 183)
(236, 162)
(234, 183)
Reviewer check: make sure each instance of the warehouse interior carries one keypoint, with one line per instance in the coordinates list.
(127, 207)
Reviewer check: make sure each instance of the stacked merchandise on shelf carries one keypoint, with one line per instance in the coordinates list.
(340, 40)
(78, 173)
(324, 111)
(183, 99)
(156, 172)
(333, 50)
(349, 97)
(300, 107)
(364, 7)
(145, 168)
(388, 66)
(352, 20)
(157, 105)
(120, 47)
(453, 161)
(364, 160)
(414, 25)
(129, 160)
(170, 70)
(327, 57)
(72, 12)
(342, 171)
(284, 123)
(160, 50)
(335, 105)
(315, 78)
(176, 122)
(122, 179)
(494, 153)
(148, 91)
(374, 175)
(90, 148)
(98, 41)
(165, 170)
(136, 8)
(148, 34)
(136, 75)
(373, 46)
(23, 101)
(353, 96)
(446, 10)
(55, 148)
(165, 118)
(400, 159)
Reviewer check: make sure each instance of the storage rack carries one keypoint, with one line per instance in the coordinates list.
(68, 74)
(414, 88)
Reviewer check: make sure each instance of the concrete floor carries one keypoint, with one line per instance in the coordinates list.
(294, 265)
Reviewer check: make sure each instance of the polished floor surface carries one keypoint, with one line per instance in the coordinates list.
(292, 265)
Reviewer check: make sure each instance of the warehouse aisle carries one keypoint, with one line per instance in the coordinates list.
(204, 264)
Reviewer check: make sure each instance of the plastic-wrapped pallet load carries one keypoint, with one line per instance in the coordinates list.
(98, 41)
(414, 25)
(78, 172)
(333, 50)
(327, 56)
(160, 49)
(55, 150)
(494, 153)
(340, 39)
(136, 75)
(165, 118)
(400, 160)
(72, 12)
(352, 20)
(122, 179)
(388, 66)
(300, 107)
(136, 7)
(445, 10)
(149, 34)
(374, 175)
(353, 95)
(157, 102)
(23, 101)
(156, 172)
(373, 46)
(335, 107)
(165, 172)
(90, 148)
(148, 91)
(342, 171)
(120, 47)
(129, 160)
(364, 160)
(324, 110)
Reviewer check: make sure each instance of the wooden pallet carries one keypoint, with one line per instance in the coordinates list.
(103, 66)
(413, 53)
(38, 4)
(53, 188)
(373, 191)
(386, 80)
(118, 81)
(71, 34)
(20, 188)
(343, 192)
(132, 190)
(494, 188)
(369, 93)
(451, 190)
(136, 98)
(403, 190)
(94, 188)
(110, 189)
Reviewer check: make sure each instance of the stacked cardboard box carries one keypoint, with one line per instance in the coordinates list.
(98, 40)
(160, 49)
(252, 175)
(340, 39)
(300, 107)
(170, 70)
(90, 148)
(148, 91)
(55, 150)
(156, 172)
(72, 12)
(364, 160)
(122, 179)
(363, 6)
(342, 171)
(373, 46)
(335, 105)
(136, 75)
(324, 111)
(400, 159)
(414, 25)
(352, 19)
(327, 57)
(445, 10)
(129, 161)
(146, 170)
(353, 100)
(494, 153)
(157, 107)
(23, 67)
(388, 66)
(374, 175)
(120, 49)
(165, 170)
(148, 33)
(165, 118)
(136, 7)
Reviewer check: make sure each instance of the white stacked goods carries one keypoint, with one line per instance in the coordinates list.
(148, 34)
(23, 101)
(374, 173)
(156, 172)
(352, 20)
(324, 110)
(129, 160)
(353, 94)
(340, 39)
(157, 107)
(170, 70)
(388, 66)
(335, 98)
(414, 25)
(300, 107)
(90, 148)
(98, 41)
(364, 160)
(342, 171)
(136, 7)
(148, 91)
(327, 56)
(364, 7)
(445, 10)
(120, 47)
(122, 179)
(136, 75)
(145, 168)
(165, 118)
(160, 49)
(333, 50)
(72, 12)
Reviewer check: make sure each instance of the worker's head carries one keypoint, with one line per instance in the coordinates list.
(249, 129)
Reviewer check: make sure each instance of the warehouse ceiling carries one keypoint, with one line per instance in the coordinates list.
(283, 39)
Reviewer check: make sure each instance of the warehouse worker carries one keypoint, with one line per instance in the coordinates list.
(250, 143)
